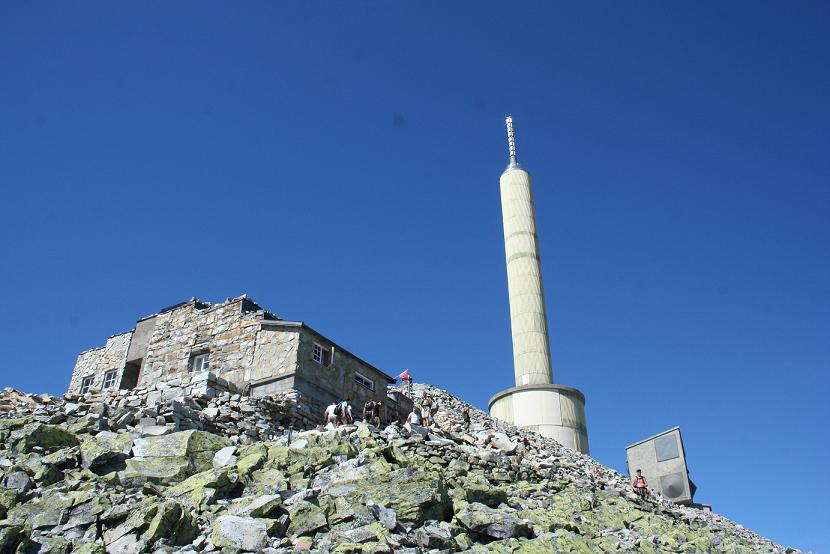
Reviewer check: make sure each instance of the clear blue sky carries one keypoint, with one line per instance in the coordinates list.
(339, 163)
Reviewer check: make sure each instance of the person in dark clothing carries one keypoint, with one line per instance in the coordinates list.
(369, 412)
(376, 421)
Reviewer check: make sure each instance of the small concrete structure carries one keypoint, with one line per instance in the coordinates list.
(663, 462)
(535, 402)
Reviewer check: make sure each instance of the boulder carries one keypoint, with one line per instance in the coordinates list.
(388, 518)
(171, 458)
(261, 506)
(243, 533)
(414, 495)
(173, 523)
(43, 512)
(496, 524)
(484, 494)
(224, 457)
(18, 481)
(203, 488)
(305, 518)
(47, 437)
(503, 443)
(105, 448)
(435, 536)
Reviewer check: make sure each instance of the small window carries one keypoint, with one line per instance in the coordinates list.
(201, 362)
(364, 381)
(86, 384)
(109, 379)
(321, 355)
(666, 448)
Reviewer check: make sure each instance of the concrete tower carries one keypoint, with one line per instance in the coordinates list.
(535, 402)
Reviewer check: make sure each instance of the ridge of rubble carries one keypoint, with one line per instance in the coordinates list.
(111, 473)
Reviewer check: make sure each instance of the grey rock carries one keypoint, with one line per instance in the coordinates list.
(19, 481)
(224, 457)
(497, 524)
(244, 533)
(387, 517)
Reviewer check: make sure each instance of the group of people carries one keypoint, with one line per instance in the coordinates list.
(421, 414)
(340, 413)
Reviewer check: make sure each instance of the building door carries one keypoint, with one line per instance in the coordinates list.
(131, 372)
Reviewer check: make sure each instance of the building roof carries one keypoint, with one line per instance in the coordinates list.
(300, 324)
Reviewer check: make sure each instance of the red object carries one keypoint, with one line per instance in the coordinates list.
(405, 375)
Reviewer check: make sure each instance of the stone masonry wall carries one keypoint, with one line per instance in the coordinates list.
(98, 361)
(223, 330)
(323, 385)
(275, 353)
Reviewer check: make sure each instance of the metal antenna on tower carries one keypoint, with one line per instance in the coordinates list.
(511, 141)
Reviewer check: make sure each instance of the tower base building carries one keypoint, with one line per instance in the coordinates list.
(552, 410)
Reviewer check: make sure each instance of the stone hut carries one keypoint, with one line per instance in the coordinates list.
(198, 348)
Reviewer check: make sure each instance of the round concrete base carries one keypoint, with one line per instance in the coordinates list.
(553, 411)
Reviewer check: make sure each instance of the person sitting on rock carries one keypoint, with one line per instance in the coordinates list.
(426, 410)
(640, 484)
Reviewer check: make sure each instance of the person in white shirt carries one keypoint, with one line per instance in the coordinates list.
(413, 419)
(328, 415)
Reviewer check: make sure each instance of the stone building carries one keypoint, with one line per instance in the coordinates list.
(195, 346)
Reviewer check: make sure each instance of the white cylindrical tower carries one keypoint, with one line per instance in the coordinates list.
(528, 320)
(535, 402)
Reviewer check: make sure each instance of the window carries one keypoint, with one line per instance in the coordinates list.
(321, 355)
(86, 384)
(364, 381)
(109, 378)
(201, 362)
(666, 448)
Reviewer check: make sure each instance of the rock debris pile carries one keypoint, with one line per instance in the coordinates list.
(159, 412)
(82, 476)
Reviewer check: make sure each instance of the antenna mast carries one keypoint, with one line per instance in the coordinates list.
(511, 141)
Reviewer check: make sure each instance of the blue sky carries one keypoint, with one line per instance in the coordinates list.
(339, 163)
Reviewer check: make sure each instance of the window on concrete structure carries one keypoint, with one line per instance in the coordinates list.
(364, 381)
(666, 448)
(321, 355)
(200, 362)
(86, 384)
(109, 379)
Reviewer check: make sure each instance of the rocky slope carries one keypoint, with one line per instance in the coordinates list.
(87, 476)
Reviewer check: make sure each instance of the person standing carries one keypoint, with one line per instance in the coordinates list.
(413, 418)
(465, 414)
(348, 413)
(343, 412)
(426, 410)
(640, 485)
(368, 411)
(378, 408)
